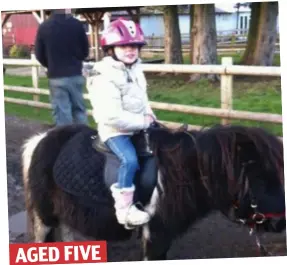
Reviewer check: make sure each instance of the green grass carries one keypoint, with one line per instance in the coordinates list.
(254, 95)
(247, 96)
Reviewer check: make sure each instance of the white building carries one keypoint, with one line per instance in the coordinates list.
(226, 22)
(229, 20)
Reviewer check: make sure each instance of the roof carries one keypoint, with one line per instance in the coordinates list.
(219, 10)
(183, 9)
(78, 10)
(232, 7)
(117, 11)
(18, 11)
(106, 9)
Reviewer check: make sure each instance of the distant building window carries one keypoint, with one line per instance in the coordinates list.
(244, 22)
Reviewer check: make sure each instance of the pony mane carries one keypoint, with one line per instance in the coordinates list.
(204, 166)
(228, 153)
(177, 161)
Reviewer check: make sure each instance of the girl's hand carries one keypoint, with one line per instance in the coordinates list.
(149, 118)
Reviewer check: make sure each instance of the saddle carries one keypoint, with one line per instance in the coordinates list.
(145, 178)
(85, 168)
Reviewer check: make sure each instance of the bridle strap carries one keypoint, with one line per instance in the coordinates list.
(256, 218)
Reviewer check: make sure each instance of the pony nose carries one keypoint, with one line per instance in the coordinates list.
(278, 224)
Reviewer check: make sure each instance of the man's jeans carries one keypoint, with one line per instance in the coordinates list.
(124, 149)
(68, 105)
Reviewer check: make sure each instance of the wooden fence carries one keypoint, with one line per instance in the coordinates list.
(220, 50)
(229, 37)
(223, 48)
(226, 71)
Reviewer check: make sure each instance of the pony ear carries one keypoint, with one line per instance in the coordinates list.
(157, 124)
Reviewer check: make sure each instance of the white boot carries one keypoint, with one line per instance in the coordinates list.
(127, 213)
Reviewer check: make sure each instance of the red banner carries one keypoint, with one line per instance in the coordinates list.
(58, 253)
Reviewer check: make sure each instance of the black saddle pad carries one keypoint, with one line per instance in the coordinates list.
(79, 170)
(83, 172)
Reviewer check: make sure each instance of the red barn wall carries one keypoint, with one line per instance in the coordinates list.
(23, 31)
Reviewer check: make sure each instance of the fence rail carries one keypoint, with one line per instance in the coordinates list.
(231, 37)
(226, 71)
(185, 50)
(221, 113)
(222, 48)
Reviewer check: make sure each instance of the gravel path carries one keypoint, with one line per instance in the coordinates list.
(215, 237)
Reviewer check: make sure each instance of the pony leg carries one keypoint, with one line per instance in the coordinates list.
(63, 233)
(30, 226)
(154, 247)
(145, 238)
(41, 231)
(155, 244)
(67, 234)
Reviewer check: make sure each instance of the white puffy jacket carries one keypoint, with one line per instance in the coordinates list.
(118, 97)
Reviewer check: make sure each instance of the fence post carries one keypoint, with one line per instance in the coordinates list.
(35, 79)
(226, 88)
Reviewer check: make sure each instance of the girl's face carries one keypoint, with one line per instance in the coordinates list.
(127, 54)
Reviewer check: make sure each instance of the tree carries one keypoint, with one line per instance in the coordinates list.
(203, 42)
(172, 40)
(172, 36)
(262, 34)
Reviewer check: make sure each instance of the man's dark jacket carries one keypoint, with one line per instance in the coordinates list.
(61, 45)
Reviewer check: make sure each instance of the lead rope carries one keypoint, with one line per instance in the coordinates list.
(253, 227)
(261, 249)
(253, 231)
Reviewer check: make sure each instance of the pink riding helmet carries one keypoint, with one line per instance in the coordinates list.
(122, 32)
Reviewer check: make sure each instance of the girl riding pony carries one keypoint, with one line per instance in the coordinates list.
(120, 107)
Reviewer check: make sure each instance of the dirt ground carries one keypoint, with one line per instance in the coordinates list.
(215, 237)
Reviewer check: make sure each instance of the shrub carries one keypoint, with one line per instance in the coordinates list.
(19, 51)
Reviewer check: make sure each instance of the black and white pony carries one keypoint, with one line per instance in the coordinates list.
(184, 176)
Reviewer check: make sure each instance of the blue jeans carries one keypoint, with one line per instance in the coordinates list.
(68, 105)
(124, 149)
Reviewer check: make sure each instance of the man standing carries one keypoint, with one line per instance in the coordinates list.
(61, 46)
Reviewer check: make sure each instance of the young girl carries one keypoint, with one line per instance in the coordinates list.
(120, 107)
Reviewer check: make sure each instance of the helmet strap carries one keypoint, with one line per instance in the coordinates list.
(110, 52)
